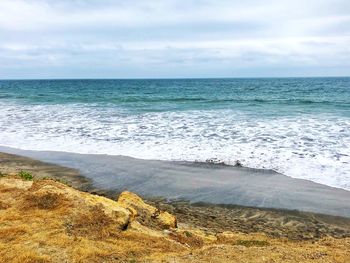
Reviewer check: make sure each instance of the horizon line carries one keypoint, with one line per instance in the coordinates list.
(176, 78)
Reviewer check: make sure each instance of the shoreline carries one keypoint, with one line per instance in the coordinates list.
(294, 225)
(198, 182)
(58, 156)
(211, 217)
(276, 223)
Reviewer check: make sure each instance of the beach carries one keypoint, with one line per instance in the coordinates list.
(200, 182)
(224, 214)
(58, 222)
(174, 131)
(246, 170)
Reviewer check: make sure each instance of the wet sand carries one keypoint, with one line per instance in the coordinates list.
(211, 218)
(11, 164)
(199, 182)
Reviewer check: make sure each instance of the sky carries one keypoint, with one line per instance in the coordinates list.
(173, 38)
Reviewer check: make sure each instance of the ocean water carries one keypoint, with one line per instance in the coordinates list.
(297, 126)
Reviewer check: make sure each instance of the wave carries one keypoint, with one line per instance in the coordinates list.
(148, 100)
(233, 100)
(280, 143)
(189, 102)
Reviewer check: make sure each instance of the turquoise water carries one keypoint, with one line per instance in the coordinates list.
(297, 126)
(276, 96)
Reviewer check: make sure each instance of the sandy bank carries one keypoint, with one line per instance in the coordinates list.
(273, 222)
(47, 221)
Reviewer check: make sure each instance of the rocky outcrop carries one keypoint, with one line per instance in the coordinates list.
(146, 214)
(49, 194)
(127, 209)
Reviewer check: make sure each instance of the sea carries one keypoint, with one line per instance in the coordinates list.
(299, 127)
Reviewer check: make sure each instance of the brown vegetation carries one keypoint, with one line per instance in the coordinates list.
(47, 221)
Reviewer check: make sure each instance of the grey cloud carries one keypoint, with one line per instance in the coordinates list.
(169, 38)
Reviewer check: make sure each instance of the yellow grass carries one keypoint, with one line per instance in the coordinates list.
(51, 222)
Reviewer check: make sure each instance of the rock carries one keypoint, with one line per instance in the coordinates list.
(166, 232)
(48, 194)
(146, 214)
(121, 215)
(167, 220)
(206, 237)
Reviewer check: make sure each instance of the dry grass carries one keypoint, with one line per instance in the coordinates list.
(252, 243)
(45, 226)
(47, 201)
(3, 205)
(188, 239)
(51, 222)
(93, 223)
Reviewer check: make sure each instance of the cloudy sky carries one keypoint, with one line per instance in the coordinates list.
(173, 38)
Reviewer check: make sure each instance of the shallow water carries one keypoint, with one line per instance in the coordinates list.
(199, 182)
(297, 126)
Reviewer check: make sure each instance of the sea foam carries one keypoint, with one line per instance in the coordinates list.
(308, 146)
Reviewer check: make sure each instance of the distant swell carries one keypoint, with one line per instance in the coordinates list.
(203, 100)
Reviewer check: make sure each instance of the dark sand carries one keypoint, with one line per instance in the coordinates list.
(216, 218)
(200, 182)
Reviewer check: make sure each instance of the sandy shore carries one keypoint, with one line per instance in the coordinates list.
(217, 218)
(199, 182)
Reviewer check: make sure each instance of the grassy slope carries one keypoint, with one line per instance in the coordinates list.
(47, 221)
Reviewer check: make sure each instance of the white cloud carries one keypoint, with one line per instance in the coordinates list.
(199, 35)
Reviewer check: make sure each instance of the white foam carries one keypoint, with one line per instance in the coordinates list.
(314, 147)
